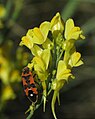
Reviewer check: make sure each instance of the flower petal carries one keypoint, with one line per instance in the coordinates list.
(27, 42)
(75, 60)
(68, 27)
(35, 35)
(44, 28)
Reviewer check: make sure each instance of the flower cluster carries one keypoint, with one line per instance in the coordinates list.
(54, 54)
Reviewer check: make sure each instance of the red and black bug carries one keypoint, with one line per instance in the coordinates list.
(29, 85)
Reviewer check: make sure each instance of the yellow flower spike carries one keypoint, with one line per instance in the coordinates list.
(2, 11)
(39, 35)
(48, 51)
(27, 42)
(57, 23)
(75, 60)
(71, 31)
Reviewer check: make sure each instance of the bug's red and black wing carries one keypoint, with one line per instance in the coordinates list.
(29, 85)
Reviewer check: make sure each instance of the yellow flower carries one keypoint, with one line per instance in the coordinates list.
(41, 63)
(71, 31)
(62, 75)
(39, 35)
(36, 35)
(62, 72)
(57, 23)
(75, 60)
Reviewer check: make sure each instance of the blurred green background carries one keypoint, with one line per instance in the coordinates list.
(16, 17)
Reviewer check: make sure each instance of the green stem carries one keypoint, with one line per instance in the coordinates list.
(32, 108)
(30, 115)
(44, 94)
(60, 56)
(54, 56)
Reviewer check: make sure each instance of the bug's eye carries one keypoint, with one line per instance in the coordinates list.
(32, 96)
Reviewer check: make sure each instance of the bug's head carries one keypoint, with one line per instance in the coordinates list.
(25, 70)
